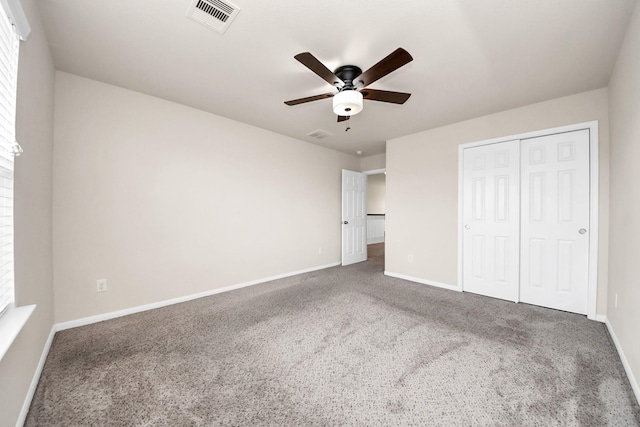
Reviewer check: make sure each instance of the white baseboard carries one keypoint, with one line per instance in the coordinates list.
(600, 318)
(124, 312)
(36, 378)
(422, 281)
(625, 363)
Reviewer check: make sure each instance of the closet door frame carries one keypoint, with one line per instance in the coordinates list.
(592, 126)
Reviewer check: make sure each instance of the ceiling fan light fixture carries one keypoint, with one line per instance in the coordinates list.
(347, 103)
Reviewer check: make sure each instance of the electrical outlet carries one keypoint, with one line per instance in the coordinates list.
(101, 285)
(410, 258)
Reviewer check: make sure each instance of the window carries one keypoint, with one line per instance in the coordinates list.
(9, 43)
(13, 26)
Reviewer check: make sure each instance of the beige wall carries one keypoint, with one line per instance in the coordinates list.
(376, 194)
(624, 276)
(371, 163)
(422, 184)
(33, 267)
(165, 201)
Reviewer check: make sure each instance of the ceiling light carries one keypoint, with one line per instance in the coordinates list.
(347, 103)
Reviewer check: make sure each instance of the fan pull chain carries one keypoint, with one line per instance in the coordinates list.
(347, 124)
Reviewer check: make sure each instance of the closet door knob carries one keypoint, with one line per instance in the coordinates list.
(582, 230)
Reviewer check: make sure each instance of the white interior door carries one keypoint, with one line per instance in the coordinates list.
(354, 217)
(555, 221)
(491, 220)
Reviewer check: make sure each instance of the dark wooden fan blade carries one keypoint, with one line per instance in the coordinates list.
(392, 62)
(309, 99)
(385, 96)
(312, 63)
(342, 118)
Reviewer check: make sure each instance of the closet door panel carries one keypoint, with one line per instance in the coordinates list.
(491, 217)
(555, 220)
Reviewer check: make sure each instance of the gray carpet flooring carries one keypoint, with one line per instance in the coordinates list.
(345, 346)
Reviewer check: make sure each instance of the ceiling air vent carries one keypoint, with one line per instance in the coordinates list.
(215, 14)
(319, 134)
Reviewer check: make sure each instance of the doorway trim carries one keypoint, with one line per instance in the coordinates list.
(594, 173)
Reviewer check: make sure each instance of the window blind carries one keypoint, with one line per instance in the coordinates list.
(8, 147)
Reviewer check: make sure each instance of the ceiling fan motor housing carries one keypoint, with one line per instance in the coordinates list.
(347, 73)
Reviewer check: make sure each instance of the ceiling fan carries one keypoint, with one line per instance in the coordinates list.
(352, 83)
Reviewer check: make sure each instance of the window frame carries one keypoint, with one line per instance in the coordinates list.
(13, 28)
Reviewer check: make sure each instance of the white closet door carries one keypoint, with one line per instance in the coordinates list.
(555, 221)
(491, 220)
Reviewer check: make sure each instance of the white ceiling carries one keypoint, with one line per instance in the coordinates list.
(471, 57)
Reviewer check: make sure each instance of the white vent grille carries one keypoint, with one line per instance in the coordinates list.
(319, 134)
(215, 14)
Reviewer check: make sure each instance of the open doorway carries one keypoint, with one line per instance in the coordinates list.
(376, 196)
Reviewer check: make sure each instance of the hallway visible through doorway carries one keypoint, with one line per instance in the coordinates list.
(375, 253)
